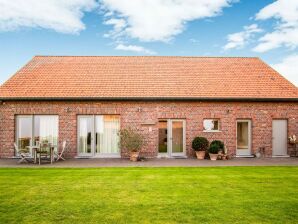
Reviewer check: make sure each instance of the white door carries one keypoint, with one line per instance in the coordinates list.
(279, 137)
(172, 138)
(243, 138)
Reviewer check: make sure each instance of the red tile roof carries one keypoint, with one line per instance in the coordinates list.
(104, 77)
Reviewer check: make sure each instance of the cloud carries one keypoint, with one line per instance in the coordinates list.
(61, 16)
(286, 31)
(157, 20)
(288, 68)
(238, 40)
(134, 48)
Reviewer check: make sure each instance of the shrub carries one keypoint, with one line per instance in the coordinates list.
(131, 140)
(220, 144)
(200, 144)
(214, 149)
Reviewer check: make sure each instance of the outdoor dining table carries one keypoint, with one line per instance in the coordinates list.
(35, 149)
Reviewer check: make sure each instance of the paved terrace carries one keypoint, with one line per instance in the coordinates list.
(156, 163)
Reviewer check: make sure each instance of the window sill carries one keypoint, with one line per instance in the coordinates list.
(215, 131)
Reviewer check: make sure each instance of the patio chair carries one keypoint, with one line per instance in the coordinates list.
(60, 155)
(23, 153)
(43, 151)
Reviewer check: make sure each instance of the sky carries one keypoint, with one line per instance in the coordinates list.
(247, 28)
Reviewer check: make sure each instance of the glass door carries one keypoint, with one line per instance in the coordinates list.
(243, 138)
(163, 137)
(98, 135)
(171, 138)
(177, 137)
(85, 135)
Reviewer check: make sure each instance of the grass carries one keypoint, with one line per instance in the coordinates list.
(150, 195)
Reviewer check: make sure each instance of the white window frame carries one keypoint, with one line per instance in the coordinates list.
(214, 119)
(243, 152)
(169, 152)
(93, 142)
(32, 129)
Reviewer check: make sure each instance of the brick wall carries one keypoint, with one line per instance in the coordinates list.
(137, 113)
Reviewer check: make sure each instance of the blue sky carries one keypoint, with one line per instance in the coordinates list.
(259, 28)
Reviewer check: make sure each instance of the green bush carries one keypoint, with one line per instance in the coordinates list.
(220, 144)
(200, 144)
(214, 149)
(131, 140)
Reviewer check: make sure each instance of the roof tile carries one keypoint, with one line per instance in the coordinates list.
(146, 77)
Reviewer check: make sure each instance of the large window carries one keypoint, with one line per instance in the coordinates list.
(31, 129)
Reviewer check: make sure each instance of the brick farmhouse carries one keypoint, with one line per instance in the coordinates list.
(85, 100)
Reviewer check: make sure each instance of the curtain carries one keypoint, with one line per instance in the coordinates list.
(83, 135)
(48, 129)
(107, 134)
(99, 133)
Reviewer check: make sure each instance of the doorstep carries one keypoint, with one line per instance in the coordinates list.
(245, 156)
(284, 156)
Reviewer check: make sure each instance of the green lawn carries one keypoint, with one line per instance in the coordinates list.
(150, 195)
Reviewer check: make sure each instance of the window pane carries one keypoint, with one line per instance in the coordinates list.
(46, 129)
(177, 135)
(106, 132)
(242, 135)
(24, 131)
(85, 130)
(99, 126)
(215, 125)
(211, 124)
(162, 136)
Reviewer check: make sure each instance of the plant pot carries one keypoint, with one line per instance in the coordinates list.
(134, 156)
(200, 154)
(213, 157)
(258, 155)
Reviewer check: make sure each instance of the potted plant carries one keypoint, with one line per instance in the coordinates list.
(220, 144)
(200, 145)
(213, 151)
(132, 141)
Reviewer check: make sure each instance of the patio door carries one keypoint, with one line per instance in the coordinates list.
(85, 135)
(98, 135)
(171, 138)
(243, 138)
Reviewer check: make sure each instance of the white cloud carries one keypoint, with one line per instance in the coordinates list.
(134, 48)
(288, 68)
(286, 30)
(158, 20)
(238, 40)
(58, 15)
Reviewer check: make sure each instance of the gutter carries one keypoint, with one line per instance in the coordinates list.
(246, 99)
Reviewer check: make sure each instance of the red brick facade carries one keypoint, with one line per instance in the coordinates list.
(145, 115)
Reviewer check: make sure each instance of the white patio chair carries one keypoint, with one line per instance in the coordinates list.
(23, 153)
(60, 155)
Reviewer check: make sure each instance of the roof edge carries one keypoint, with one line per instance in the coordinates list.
(225, 99)
(144, 56)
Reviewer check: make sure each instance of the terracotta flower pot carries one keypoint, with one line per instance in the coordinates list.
(213, 157)
(200, 154)
(134, 156)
